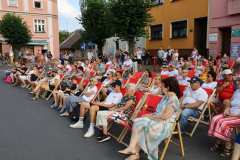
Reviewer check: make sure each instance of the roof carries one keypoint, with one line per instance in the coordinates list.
(70, 42)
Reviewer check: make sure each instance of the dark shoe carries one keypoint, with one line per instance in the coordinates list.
(104, 139)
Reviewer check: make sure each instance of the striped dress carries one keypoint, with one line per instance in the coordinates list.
(222, 126)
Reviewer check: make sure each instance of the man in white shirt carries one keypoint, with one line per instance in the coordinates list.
(192, 100)
(112, 99)
(90, 55)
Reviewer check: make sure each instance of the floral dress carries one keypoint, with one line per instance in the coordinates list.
(152, 132)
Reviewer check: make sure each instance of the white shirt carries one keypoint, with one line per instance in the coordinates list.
(113, 98)
(139, 54)
(164, 73)
(93, 90)
(211, 85)
(90, 55)
(191, 96)
(128, 64)
(184, 81)
(173, 73)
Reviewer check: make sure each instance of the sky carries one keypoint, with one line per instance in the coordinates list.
(68, 10)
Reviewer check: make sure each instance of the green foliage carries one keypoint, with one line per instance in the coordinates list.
(130, 17)
(96, 20)
(63, 35)
(15, 30)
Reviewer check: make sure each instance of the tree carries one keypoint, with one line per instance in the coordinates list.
(96, 20)
(63, 35)
(130, 19)
(15, 31)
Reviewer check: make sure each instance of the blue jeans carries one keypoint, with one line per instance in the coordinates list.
(71, 102)
(186, 113)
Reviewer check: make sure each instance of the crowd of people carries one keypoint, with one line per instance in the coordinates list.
(102, 88)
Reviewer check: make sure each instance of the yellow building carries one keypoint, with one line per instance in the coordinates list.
(179, 24)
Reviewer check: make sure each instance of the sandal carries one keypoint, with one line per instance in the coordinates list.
(226, 153)
(126, 153)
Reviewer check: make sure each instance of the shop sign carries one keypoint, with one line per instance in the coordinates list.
(213, 37)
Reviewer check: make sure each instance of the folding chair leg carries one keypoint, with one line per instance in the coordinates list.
(196, 125)
(50, 95)
(180, 140)
(165, 148)
(210, 113)
(122, 135)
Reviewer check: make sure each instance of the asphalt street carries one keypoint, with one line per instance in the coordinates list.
(30, 130)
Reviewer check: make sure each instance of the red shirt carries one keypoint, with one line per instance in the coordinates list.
(227, 92)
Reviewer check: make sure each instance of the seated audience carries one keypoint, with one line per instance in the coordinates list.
(111, 100)
(222, 125)
(210, 82)
(193, 98)
(121, 111)
(149, 131)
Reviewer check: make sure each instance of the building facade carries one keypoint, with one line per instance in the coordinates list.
(179, 24)
(224, 27)
(41, 17)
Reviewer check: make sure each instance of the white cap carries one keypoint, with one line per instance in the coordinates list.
(227, 71)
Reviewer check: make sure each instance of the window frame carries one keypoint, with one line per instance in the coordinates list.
(161, 35)
(41, 2)
(171, 29)
(9, 5)
(34, 25)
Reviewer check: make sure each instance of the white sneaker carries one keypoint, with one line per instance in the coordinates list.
(79, 124)
(89, 133)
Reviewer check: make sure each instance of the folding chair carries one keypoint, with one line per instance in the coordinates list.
(135, 79)
(176, 130)
(202, 109)
(151, 102)
(124, 124)
(182, 88)
(56, 86)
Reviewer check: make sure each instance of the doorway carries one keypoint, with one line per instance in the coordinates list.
(200, 35)
(226, 40)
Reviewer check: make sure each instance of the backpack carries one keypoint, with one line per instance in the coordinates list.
(8, 79)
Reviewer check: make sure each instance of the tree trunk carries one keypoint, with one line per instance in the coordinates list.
(131, 44)
(100, 49)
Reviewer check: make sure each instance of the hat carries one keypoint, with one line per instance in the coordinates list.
(227, 71)
(196, 79)
(117, 83)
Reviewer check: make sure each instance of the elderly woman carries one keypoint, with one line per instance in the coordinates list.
(122, 110)
(222, 125)
(155, 89)
(149, 131)
(210, 82)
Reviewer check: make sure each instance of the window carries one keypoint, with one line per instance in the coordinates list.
(37, 4)
(179, 29)
(39, 26)
(12, 2)
(156, 32)
(157, 2)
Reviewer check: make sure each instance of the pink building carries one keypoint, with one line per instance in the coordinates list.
(224, 27)
(41, 17)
